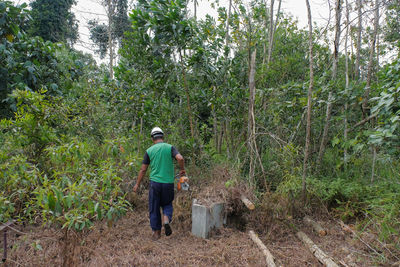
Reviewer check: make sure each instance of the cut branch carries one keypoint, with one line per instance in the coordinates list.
(268, 256)
(247, 202)
(316, 251)
(316, 226)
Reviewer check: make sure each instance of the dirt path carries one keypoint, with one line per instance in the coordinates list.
(128, 243)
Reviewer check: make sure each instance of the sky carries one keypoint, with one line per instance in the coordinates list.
(92, 9)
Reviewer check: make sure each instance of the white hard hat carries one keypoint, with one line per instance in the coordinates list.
(156, 132)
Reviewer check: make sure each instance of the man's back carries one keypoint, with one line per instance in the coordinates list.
(161, 164)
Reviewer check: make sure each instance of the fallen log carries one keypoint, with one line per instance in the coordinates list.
(247, 202)
(316, 226)
(268, 256)
(316, 251)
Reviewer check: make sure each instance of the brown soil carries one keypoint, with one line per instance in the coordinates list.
(128, 241)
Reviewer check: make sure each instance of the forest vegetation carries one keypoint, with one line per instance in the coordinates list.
(307, 114)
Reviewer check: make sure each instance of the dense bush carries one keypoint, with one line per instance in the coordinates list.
(51, 175)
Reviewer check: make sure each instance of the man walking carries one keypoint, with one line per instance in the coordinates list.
(161, 193)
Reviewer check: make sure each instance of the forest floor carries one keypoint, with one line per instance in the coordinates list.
(128, 241)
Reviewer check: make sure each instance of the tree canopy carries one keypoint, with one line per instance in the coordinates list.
(54, 21)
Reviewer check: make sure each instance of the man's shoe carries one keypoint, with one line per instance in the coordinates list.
(156, 235)
(168, 230)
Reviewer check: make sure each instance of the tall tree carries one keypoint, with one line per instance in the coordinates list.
(345, 131)
(107, 36)
(54, 21)
(251, 128)
(369, 78)
(309, 98)
(324, 139)
(110, 9)
(371, 59)
(272, 30)
(359, 31)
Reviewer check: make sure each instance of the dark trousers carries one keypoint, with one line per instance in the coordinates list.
(160, 196)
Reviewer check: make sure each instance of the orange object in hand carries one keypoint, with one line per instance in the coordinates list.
(183, 183)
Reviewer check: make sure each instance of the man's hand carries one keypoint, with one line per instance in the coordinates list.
(135, 188)
(142, 171)
(181, 163)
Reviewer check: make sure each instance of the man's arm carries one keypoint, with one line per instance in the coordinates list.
(181, 164)
(142, 172)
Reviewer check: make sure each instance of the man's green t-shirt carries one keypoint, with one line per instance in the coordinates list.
(161, 164)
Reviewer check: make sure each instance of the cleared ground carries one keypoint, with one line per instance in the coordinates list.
(128, 241)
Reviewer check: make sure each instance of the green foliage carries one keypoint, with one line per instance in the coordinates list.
(32, 64)
(11, 18)
(48, 173)
(392, 29)
(53, 21)
(387, 106)
(70, 150)
(99, 36)
(19, 178)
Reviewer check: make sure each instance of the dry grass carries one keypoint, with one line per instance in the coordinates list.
(128, 242)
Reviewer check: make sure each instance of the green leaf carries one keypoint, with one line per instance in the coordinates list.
(335, 141)
(51, 201)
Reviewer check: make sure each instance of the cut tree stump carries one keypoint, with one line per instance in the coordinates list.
(247, 202)
(268, 256)
(316, 226)
(316, 251)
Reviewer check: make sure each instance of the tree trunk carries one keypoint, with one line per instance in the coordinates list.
(110, 13)
(140, 130)
(266, 32)
(224, 127)
(309, 96)
(272, 35)
(195, 9)
(228, 151)
(189, 109)
(357, 67)
(369, 77)
(338, 11)
(214, 114)
(324, 139)
(227, 23)
(371, 59)
(220, 138)
(373, 163)
(345, 131)
(271, 28)
(251, 119)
